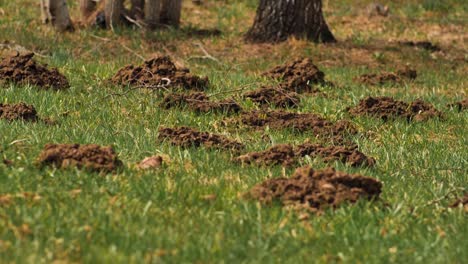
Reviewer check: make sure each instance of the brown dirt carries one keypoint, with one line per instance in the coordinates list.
(298, 75)
(421, 45)
(388, 77)
(89, 157)
(461, 105)
(461, 201)
(155, 74)
(20, 111)
(200, 102)
(22, 69)
(389, 108)
(275, 96)
(299, 122)
(152, 162)
(287, 155)
(316, 190)
(187, 137)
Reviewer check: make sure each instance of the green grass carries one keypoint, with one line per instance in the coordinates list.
(160, 216)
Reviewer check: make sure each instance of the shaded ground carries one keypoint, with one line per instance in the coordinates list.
(159, 73)
(188, 137)
(298, 76)
(389, 108)
(388, 77)
(461, 105)
(19, 111)
(421, 45)
(200, 102)
(316, 190)
(287, 155)
(21, 69)
(89, 157)
(275, 96)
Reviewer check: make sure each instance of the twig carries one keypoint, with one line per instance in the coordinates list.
(243, 87)
(133, 52)
(137, 23)
(206, 56)
(19, 48)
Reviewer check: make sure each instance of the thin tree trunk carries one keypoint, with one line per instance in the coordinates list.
(152, 13)
(170, 12)
(276, 20)
(87, 8)
(56, 12)
(113, 12)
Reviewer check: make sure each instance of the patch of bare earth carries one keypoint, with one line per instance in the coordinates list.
(287, 155)
(89, 157)
(461, 105)
(405, 74)
(278, 97)
(20, 111)
(298, 76)
(200, 102)
(159, 73)
(426, 45)
(23, 70)
(316, 190)
(188, 137)
(389, 108)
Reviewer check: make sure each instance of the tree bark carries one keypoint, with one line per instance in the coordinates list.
(56, 13)
(137, 12)
(170, 12)
(87, 8)
(113, 12)
(276, 20)
(152, 13)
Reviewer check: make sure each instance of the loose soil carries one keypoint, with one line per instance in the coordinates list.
(89, 157)
(159, 73)
(20, 111)
(299, 122)
(316, 190)
(389, 108)
(461, 106)
(200, 102)
(287, 155)
(152, 162)
(298, 76)
(421, 45)
(23, 70)
(461, 201)
(275, 96)
(388, 77)
(188, 137)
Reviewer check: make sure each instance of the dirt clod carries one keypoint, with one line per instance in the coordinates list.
(152, 162)
(388, 77)
(200, 102)
(187, 137)
(159, 73)
(22, 69)
(316, 190)
(275, 96)
(287, 155)
(89, 157)
(20, 111)
(389, 108)
(461, 105)
(298, 75)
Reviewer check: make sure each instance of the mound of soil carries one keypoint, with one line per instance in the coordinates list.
(20, 111)
(287, 155)
(188, 137)
(200, 102)
(316, 190)
(274, 96)
(22, 69)
(299, 122)
(89, 157)
(298, 75)
(158, 73)
(461, 201)
(421, 45)
(461, 106)
(388, 77)
(389, 108)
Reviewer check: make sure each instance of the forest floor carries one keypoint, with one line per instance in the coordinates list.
(204, 200)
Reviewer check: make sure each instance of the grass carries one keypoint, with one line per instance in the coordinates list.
(160, 216)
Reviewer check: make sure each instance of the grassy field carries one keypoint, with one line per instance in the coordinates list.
(162, 216)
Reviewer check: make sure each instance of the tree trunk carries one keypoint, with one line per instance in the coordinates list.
(56, 12)
(152, 12)
(87, 8)
(137, 12)
(276, 20)
(113, 12)
(170, 12)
